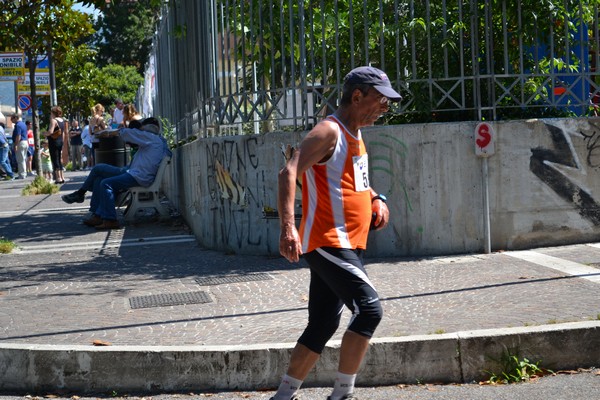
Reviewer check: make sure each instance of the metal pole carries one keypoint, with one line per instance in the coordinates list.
(487, 246)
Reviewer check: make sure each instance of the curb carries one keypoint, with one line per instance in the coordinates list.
(453, 357)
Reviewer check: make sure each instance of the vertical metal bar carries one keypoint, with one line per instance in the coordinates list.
(224, 37)
(292, 65)
(272, 85)
(475, 59)
(382, 36)
(490, 60)
(596, 53)
(552, 56)
(428, 34)
(283, 53)
(313, 72)
(584, 99)
(521, 62)
(337, 46)
(258, 95)
(445, 37)
(397, 40)
(240, 86)
(462, 55)
(351, 28)
(487, 245)
(413, 45)
(213, 89)
(505, 36)
(324, 79)
(302, 65)
(366, 32)
(567, 41)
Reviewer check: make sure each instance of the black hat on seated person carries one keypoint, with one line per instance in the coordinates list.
(373, 77)
(152, 124)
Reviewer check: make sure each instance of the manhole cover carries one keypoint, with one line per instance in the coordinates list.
(222, 279)
(169, 299)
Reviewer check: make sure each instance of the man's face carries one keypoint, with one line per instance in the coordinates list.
(373, 106)
(119, 105)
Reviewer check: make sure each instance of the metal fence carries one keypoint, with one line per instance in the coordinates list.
(223, 67)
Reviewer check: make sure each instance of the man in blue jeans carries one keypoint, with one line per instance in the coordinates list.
(105, 181)
(20, 144)
(4, 148)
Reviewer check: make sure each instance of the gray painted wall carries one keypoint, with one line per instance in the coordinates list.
(543, 184)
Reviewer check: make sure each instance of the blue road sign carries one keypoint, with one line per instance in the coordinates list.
(24, 102)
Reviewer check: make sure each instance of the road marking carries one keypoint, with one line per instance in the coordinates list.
(596, 245)
(17, 213)
(566, 266)
(61, 246)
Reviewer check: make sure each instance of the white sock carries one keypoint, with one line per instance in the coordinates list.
(344, 384)
(287, 388)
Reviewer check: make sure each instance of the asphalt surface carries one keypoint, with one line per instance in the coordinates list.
(69, 284)
(568, 385)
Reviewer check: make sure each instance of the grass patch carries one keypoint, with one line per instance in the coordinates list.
(6, 246)
(514, 369)
(39, 186)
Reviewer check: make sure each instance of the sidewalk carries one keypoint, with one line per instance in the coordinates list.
(68, 285)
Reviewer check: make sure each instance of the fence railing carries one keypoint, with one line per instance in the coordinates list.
(222, 67)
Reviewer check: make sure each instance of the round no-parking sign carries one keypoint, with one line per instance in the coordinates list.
(24, 102)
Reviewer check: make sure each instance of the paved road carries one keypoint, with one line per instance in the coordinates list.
(565, 386)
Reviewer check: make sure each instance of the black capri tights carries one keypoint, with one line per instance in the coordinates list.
(55, 147)
(338, 278)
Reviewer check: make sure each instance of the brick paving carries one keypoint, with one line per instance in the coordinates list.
(74, 294)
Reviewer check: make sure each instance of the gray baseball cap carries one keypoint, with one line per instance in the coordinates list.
(374, 77)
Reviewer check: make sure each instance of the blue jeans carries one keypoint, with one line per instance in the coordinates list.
(105, 181)
(4, 163)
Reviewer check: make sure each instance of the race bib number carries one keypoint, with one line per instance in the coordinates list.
(361, 172)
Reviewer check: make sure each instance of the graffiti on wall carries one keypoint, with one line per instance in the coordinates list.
(560, 168)
(380, 161)
(237, 187)
(229, 188)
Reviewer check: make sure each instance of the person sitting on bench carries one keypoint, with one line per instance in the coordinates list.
(106, 181)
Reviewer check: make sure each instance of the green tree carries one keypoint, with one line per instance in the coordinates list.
(76, 77)
(116, 81)
(124, 33)
(37, 27)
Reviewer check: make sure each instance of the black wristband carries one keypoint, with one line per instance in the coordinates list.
(379, 197)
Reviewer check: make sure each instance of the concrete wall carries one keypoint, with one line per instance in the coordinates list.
(543, 183)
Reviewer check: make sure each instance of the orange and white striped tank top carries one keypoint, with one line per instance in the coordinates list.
(336, 200)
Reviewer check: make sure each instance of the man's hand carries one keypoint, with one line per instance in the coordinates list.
(381, 215)
(289, 243)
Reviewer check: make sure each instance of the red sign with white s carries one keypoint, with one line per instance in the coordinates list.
(484, 139)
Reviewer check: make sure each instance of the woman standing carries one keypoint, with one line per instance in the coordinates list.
(55, 135)
(97, 124)
(131, 117)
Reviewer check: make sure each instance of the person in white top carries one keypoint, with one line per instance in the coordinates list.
(117, 117)
(87, 144)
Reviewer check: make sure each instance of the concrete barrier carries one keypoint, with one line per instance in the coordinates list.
(455, 357)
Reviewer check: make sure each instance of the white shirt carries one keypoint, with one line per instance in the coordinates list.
(117, 116)
(85, 136)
